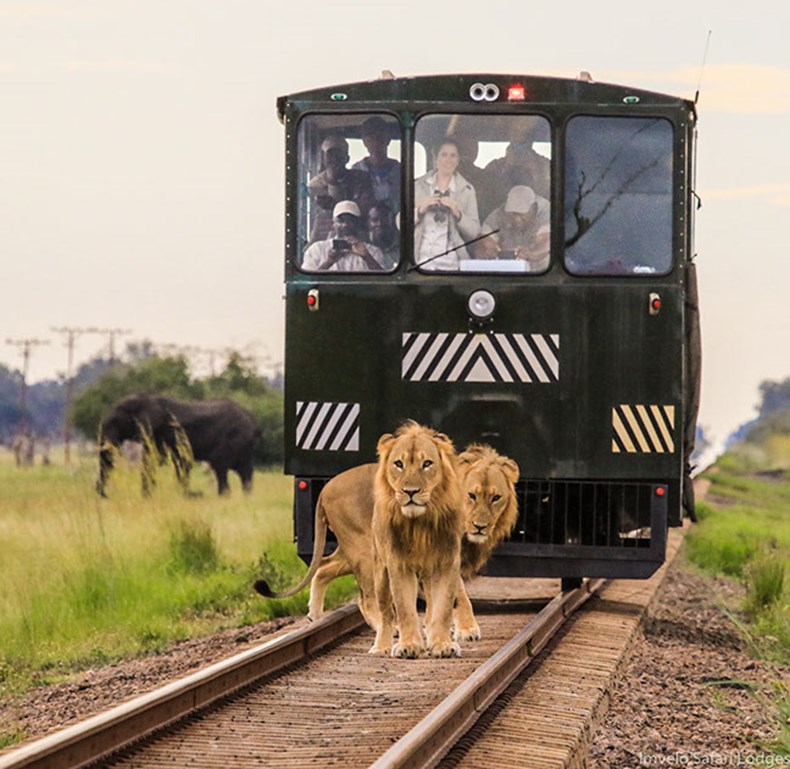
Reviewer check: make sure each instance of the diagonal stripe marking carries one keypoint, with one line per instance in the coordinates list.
(304, 421)
(412, 354)
(319, 421)
(636, 428)
(347, 424)
(622, 433)
(651, 433)
(661, 420)
(441, 367)
(429, 356)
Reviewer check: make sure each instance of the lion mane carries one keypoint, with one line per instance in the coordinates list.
(417, 529)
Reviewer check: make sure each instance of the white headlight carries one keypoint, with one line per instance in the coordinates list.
(481, 304)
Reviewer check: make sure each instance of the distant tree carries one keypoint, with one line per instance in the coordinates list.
(168, 376)
(10, 383)
(242, 383)
(774, 423)
(775, 396)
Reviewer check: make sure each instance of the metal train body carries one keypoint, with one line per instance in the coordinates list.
(585, 371)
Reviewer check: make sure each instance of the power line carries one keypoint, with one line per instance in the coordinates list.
(111, 334)
(26, 346)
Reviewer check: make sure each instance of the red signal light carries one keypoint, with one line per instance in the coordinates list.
(661, 490)
(516, 93)
(654, 303)
(302, 485)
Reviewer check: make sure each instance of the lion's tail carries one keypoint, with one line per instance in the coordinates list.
(319, 542)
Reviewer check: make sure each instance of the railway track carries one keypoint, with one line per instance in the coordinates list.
(313, 697)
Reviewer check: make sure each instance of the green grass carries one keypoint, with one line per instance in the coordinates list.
(88, 581)
(744, 533)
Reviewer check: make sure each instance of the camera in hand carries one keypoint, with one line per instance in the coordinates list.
(339, 244)
(439, 211)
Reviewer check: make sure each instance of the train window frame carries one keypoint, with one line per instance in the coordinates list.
(543, 143)
(343, 123)
(614, 268)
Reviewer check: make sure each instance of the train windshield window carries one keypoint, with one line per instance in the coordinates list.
(486, 179)
(618, 196)
(349, 182)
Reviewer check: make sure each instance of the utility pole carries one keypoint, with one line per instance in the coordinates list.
(71, 333)
(111, 334)
(27, 345)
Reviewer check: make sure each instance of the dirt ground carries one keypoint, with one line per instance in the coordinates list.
(690, 693)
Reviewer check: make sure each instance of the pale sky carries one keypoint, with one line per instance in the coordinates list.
(141, 160)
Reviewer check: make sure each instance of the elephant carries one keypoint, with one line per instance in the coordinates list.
(219, 432)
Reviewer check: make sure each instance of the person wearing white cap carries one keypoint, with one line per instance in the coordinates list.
(523, 222)
(343, 251)
(335, 183)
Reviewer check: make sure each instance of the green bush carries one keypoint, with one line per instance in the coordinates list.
(192, 548)
(764, 584)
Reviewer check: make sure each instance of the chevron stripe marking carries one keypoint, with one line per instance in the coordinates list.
(445, 357)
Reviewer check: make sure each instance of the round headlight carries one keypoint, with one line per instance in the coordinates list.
(481, 304)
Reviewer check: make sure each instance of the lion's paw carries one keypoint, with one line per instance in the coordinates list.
(471, 633)
(445, 649)
(379, 651)
(406, 651)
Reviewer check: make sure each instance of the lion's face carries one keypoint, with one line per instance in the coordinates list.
(415, 464)
(486, 497)
(489, 496)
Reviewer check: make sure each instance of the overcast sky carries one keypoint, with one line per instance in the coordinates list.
(141, 160)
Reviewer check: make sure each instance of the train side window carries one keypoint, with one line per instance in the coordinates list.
(349, 192)
(486, 179)
(618, 195)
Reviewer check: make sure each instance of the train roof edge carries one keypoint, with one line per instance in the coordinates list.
(455, 88)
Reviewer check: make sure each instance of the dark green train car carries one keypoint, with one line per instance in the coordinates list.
(549, 310)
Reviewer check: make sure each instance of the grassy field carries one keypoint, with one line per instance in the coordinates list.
(89, 580)
(744, 532)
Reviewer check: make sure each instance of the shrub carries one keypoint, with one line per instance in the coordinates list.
(764, 584)
(192, 548)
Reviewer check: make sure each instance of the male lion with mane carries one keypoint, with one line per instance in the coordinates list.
(345, 505)
(417, 529)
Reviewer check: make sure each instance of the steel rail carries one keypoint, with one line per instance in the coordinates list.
(97, 737)
(430, 740)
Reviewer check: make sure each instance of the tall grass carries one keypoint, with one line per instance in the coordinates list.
(89, 580)
(744, 532)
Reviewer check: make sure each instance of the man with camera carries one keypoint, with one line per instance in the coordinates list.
(334, 184)
(343, 251)
(520, 229)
